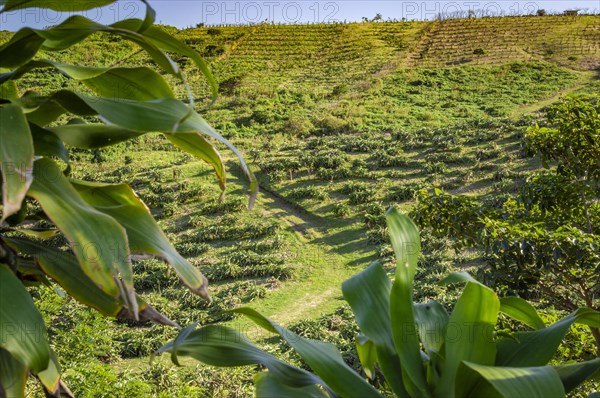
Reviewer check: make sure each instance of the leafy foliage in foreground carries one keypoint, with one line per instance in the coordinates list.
(103, 224)
(420, 349)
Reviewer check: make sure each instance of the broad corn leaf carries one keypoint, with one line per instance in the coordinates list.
(368, 293)
(98, 241)
(532, 382)
(367, 354)
(93, 135)
(572, 375)
(323, 358)
(536, 348)
(198, 146)
(223, 346)
(13, 376)
(136, 83)
(406, 242)
(65, 270)
(521, 310)
(144, 236)
(16, 157)
(23, 330)
(469, 335)
(269, 386)
(432, 322)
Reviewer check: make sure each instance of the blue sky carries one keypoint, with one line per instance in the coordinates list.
(190, 12)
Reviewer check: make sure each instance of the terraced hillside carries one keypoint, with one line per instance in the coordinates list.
(339, 121)
(569, 41)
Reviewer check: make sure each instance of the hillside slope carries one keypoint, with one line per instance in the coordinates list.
(339, 121)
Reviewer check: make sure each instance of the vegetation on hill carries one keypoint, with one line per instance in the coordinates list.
(339, 122)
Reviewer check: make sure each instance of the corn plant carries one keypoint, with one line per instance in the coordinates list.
(103, 224)
(421, 349)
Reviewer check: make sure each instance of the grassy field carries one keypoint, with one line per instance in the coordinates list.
(339, 122)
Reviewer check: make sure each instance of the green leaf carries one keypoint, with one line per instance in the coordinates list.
(144, 236)
(45, 143)
(137, 83)
(536, 348)
(218, 345)
(131, 83)
(323, 358)
(13, 376)
(71, 31)
(50, 377)
(8, 90)
(165, 115)
(469, 335)
(268, 385)
(532, 382)
(23, 330)
(9, 5)
(198, 146)
(16, 155)
(167, 42)
(42, 110)
(367, 354)
(574, 374)
(368, 293)
(65, 270)
(21, 47)
(432, 322)
(98, 241)
(406, 242)
(92, 135)
(458, 277)
(521, 310)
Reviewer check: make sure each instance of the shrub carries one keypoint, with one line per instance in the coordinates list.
(308, 192)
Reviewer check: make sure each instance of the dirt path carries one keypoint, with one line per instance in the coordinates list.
(323, 260)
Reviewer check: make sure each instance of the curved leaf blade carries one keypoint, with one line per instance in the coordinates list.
(536, 348)
(521, 310)
(218, 345)
(65, 270)
(136, 83)
(92, 136)
(432, 322)
(122, 204)
(367, 355)
(23, 330)
(406, 242)
(167, 42)
(572, 375)
(323, 358)
(16, 155)
(104, 260)
(70, 32)
(46, 143)
(198, 146)
(469, 335)
(269, 386)
(532, 382)
(13, 376)
(368, 294)
(50, 377)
